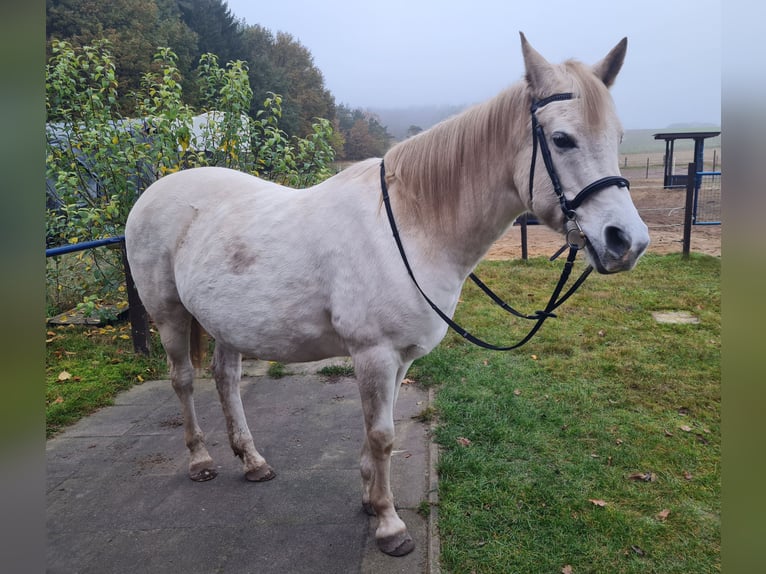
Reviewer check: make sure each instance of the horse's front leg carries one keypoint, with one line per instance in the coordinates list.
(227, 371)
(379, 376)
(367, 467)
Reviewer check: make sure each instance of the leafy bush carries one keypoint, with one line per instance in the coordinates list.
(98, 162)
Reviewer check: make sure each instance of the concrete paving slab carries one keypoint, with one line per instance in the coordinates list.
(119, 498)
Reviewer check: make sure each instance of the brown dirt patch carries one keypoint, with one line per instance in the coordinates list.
(661, 209)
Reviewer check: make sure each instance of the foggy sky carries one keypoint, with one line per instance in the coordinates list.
(402, 53)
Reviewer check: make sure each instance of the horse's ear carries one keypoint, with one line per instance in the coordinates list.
(608, 68)
(539, 73)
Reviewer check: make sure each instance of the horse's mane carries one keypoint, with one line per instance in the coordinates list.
(463, 154)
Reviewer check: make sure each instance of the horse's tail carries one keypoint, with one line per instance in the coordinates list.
(197, 344)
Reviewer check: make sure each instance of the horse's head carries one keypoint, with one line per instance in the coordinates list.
(578, 129)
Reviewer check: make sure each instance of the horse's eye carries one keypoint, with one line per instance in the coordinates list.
(563, 141)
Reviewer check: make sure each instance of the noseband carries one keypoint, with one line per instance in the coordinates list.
(576, 239)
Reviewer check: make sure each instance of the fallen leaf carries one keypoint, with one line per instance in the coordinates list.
(618, 442)
(663, 514)
(637, 550)
(64, 376)
(58, 400)
(140, 379)
(534, 357)
(461, 440)
(407, 381)
(485, 362)
(566, 569)
(687, 475)
(668, 433)
(597, 502)
(686, 428)
(517, 392)
(601, 333)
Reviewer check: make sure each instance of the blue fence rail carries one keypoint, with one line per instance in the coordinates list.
(139, 321)
(73, 247)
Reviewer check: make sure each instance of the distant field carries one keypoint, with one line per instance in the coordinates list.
(642, 156)
(643, 142)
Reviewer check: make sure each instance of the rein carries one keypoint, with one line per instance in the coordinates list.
(575, 237)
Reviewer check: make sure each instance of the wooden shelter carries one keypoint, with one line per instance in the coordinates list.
(670, 179)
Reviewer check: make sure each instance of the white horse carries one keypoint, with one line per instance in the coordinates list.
(299, 275)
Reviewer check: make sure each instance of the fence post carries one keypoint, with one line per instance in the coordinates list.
(139, 322)
(691, 185)
(523, 221)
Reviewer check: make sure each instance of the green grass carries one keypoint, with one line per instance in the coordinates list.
(601, 393)
(336, 371)
(86, 367)
(276, 370)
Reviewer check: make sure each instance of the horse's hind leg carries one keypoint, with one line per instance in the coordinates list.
(227, 371)
(174, 326)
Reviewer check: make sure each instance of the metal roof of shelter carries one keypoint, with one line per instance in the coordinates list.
(669, 179)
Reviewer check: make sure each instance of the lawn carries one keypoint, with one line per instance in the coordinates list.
(87, 366)
(595, 447)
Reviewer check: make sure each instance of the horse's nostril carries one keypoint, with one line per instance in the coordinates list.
(617, 241)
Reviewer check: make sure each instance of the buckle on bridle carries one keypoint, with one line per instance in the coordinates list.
(575, 236)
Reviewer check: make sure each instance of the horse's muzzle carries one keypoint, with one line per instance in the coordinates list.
(617, 249)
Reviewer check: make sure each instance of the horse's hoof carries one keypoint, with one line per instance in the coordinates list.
(368, 508)
(397, 545)
(203, 474)
(260, 474)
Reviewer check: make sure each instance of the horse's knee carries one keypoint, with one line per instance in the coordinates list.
(381, 441)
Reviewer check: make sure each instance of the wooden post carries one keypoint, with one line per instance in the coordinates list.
(647, 168)
(139, 321)
(691, 185)
(523, 221)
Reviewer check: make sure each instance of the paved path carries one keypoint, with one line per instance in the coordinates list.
(119, 500)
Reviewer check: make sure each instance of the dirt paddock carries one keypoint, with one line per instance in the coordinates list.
(661, 209)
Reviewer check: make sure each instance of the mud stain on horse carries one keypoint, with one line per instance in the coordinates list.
(240, 257)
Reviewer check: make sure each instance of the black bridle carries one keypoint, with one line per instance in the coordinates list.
(568, 207)
(575, 237)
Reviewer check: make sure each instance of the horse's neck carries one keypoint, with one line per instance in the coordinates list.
(488, 200)
(478, 228)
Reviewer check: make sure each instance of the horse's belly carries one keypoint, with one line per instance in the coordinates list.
(265, 320)
(293, 344)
